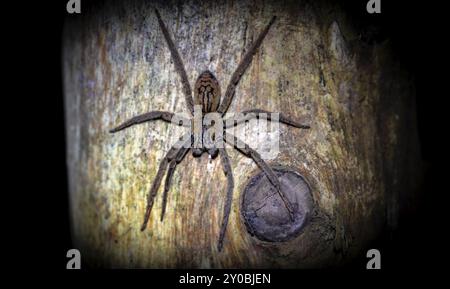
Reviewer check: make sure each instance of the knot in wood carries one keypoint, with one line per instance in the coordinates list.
(264, 213)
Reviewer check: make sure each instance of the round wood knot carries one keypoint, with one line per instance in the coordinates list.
(266, 216)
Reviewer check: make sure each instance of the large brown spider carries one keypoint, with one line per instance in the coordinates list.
(207, 96)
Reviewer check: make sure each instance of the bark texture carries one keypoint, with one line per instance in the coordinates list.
(360, 155)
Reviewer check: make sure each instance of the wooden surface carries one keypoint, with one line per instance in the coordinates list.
(360, 155)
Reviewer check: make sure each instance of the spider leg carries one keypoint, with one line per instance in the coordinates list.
(240, 70)
(171, 155)
(226, 209)
(179, 157)
(179, 66)
(149, 116)
(247, 151)
(253, 113)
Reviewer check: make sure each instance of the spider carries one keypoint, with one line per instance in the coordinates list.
(207, 96)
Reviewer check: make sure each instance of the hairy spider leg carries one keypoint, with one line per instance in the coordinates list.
(171, 155)
(230, 186)
(179, 66)
(245, 149)
(173, 164)
(149, 116)
(240, 70)
(254, 113)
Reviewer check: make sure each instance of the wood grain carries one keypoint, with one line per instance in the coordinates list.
(360, 155)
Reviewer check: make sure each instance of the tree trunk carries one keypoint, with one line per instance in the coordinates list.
(360, 156)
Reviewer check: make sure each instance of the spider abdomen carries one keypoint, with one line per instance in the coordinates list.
(207, 92)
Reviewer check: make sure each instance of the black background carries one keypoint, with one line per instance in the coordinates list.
(417, 246)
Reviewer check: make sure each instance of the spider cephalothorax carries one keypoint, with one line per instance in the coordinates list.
(207, 97)
(207, 92)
